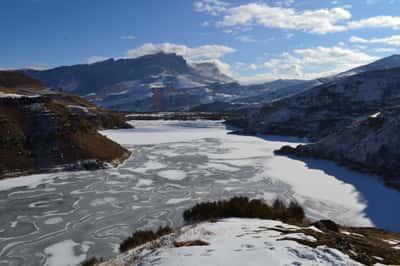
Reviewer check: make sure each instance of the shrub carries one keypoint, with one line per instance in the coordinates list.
(242, 207)
(142, 237)
(92, 261)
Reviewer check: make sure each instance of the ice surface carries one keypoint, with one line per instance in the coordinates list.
(107, 205)
(172, 174)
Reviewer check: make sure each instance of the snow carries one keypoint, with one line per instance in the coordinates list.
(150, 165)
(152, 132)
(172, 174)
(78, 108)
(156, 85)
(177, 200)
(144, 183)
(375, 115)
(118, 93)
(24, 181)
(104, 201)
(64, 253)
(240, 242)
(14, 95)
(156, 132)
(54, 220)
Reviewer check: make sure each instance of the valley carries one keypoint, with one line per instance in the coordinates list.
(66, 217)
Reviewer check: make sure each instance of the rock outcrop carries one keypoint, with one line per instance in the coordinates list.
(43, 130)
(370, 144)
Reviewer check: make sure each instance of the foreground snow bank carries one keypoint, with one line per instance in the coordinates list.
(234, 242)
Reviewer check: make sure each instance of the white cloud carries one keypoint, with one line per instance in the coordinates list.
(310, 63)
(385, 50)
(205, 24)
(95, 59)
(193, 54)
(319, 21)
(213, 7)
(282, 16)
(204, 53)
(245, 38)
(289, 35)
(253, 66)
(376, 22)
(285, 2)
(392, 40)
(128, 37)
(225, 68)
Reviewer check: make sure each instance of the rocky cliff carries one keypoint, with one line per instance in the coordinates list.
(43, 130)
(370, 144)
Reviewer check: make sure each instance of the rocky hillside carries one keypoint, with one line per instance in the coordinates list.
(43, 130)
(381, 64)
(328, 108)
(370, 144)
(159, 82)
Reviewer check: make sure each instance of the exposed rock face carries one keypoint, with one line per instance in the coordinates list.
(328, 108)
(42, 130)
(371, 144)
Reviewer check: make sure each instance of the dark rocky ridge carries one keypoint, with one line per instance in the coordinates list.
(43, 131)
(182, 116)
(368, 145)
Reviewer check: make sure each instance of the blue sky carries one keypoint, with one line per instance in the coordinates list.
(253, 41)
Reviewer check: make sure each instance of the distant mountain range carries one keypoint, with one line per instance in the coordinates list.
(161, 82)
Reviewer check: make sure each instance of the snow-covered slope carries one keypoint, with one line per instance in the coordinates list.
(381, 64)
(371, 144)
(233, 241)
(327, 108)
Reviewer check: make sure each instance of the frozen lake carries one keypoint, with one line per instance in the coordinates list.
(62, 218)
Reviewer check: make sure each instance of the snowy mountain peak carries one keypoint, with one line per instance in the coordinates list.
(389, 62)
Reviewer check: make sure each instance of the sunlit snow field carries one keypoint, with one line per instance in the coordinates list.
(62, 218)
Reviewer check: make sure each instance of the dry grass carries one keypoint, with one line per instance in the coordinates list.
(191, 243)
(139, 238)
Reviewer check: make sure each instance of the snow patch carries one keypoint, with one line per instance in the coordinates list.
(172, 174)
(65, 253)
(238, 242)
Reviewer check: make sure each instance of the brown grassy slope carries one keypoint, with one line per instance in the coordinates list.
(13, 80)
(41, 133)
(366, 245)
